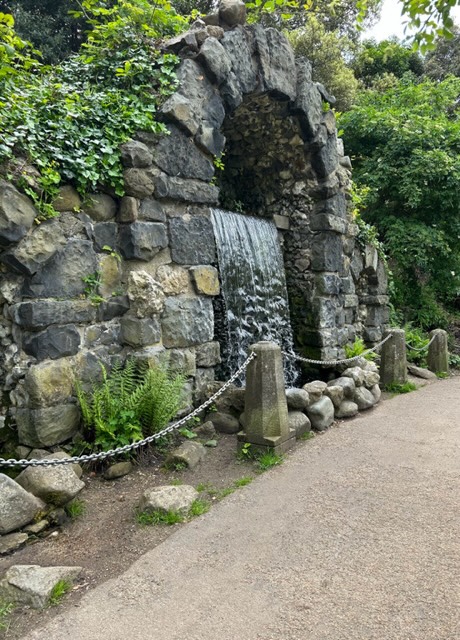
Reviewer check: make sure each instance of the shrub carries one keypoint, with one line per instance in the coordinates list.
(358, 348)
(130, 403)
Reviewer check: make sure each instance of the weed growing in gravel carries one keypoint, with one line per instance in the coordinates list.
(308, 435)
(442, 374)
(198, 508)
(75, 508)
(268, 460)
(242, 482)
(204, 486)
(5, 609)
(159, 517)
(59, 590)
(176, 482)
(396, 387)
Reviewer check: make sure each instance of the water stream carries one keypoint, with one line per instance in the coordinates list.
(253, 287)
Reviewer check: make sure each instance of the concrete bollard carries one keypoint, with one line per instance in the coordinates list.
(266, 412)
(393, 365)
(438, 354)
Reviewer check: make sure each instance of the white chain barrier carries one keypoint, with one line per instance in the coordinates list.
(423, 348)
(102, 455)
(333, 363)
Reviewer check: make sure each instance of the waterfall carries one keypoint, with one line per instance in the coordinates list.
(254, 290)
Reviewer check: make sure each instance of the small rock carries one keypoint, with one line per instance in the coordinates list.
(11, 542)
(32, 585)
(315, 390)
(223, 422)
(206, 280)
(232, 12)
(299, 422)
(347, 385)
(206, 430)
(118, 470)
(364, 398)
(336, 394)
(321, 413)
(100, 207)
(67, 199)
(189, 453)
(17, 506)
(356, 374)
(347, 409)
(37, 527)
(419, 372)
(371, 378)
(56, 485)
(376, 392)
(297, 399)
(211, 443)
(168, 498)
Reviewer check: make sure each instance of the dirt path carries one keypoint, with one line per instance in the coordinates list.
(355, 537)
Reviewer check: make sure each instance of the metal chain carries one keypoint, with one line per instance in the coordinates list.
(333, 363)
(423, 348)
(102, 455)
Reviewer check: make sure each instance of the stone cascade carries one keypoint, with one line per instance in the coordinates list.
(254, 294)
(137, 275)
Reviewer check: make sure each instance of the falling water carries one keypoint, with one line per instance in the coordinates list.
(253, 287)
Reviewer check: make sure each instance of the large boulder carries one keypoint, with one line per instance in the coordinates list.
(297, 399)
(17, 506)
(55, 485)
(347, 384)
(315, 390)
(321, 413)
(33, 585)
(168, 498)
(298, 422)
(223, 422)
(47, 426)
(364, 398)
(347, 409)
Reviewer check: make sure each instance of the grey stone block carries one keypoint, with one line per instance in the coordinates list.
(438, 354)
(192, 241)
(54, 342)
(142, 240)
(135, 154)
(17, 506)
(41, 313)
(327, 252)
(17, 214)
(177, 155)
(48, 426)
(393, 364)
(321, 413)
(140, 332)
(194, 191)
(187, 321)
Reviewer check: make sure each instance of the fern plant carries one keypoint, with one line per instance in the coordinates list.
(357, 349)
(129, 403)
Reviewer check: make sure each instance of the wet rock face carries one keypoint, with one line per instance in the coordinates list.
(139, 274)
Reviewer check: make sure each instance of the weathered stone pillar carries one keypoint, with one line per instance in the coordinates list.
(393, 366)
(266, 413)
(438, 354)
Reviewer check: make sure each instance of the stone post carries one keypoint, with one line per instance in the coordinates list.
(393, 366)
(266, 413)
(438, 354)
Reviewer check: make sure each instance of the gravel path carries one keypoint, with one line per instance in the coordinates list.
(355, 537)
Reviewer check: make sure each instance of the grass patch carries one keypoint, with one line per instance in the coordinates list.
(75, 509)
(159, 517)
(198, 508)
(58, 592)
(242, 482)
(6, 609)
(204, 486)
(176, 482)
(268, 460)
(442, 374)
(397, 387)
(308, 435)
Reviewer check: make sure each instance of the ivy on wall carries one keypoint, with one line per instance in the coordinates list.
(69, 120)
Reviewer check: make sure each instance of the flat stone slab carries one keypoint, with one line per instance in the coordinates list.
(420, 372)
(32, 585)
(11, 542)
(189, 453)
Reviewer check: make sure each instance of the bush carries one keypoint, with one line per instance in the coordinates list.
(129, 404)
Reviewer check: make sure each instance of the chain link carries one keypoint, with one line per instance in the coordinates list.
(423, 348)
(102, 455)
(333, 363)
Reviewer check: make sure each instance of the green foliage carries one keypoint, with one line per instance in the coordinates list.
(397, 388)
(198, 508)
(308, 435)
(58, 592)
(16, 55)
(130, 403)
(268, 460)
(327, 50)
(416, 338)
(375, 60)
(442, 375)
(70, 120)
(405, 145)
(159, 517)
(75, 508)
(242, 482)
(444, 60)
(358, 348)
(186, 433)
(6, 609)
(454, 360)
(245, 452)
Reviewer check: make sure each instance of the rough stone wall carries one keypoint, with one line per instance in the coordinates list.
(137, 275)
